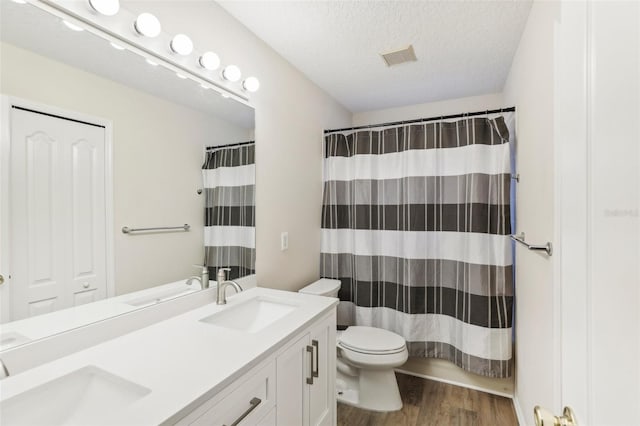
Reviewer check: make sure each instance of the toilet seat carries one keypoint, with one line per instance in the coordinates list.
(371, 340)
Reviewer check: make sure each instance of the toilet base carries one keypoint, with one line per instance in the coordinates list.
(374, 390)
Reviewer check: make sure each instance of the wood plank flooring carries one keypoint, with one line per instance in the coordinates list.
(430, 403)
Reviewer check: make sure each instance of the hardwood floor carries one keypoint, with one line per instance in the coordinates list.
(430, 403)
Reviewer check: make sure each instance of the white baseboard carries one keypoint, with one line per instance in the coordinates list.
(456, 383)
(519, 413)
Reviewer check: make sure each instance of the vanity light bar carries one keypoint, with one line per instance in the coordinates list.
(251, 84)
(147, 25)
(105, 7)
(87, 15)
(181, 44)
(209, 60)
(231, 73)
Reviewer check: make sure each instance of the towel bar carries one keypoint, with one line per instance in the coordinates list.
(548, 247)
(127, 230)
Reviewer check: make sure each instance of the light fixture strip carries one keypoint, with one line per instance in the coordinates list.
(121, 31)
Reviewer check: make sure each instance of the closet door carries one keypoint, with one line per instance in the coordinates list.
(57, 209)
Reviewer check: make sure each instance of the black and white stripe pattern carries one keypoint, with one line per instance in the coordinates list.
(229, 187)
(416, 224)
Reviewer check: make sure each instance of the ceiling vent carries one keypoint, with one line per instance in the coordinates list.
(399, 56)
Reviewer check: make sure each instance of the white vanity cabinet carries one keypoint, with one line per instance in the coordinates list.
(295, 386)
(245, 402)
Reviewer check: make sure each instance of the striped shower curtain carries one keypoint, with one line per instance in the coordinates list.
(416, 225)
(229, 232)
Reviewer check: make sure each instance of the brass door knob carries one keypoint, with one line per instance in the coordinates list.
(546, 418)
(1, 279)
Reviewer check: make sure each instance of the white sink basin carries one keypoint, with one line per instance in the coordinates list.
(82, 397)
(161, 295)
(251, 316)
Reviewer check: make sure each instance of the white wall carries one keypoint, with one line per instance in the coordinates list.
(530, 88)
(431, 109)
(291, 113)
(157, 154)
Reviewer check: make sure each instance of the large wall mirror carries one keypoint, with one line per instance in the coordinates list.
(96, 138)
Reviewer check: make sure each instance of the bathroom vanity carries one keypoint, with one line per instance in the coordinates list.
(265, 358)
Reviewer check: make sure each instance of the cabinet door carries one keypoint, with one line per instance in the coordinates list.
(293, 369)
(322, 399)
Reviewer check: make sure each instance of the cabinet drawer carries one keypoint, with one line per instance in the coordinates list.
(253, 397)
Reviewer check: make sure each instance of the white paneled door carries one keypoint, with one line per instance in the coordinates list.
(57, 217)
(598, 183)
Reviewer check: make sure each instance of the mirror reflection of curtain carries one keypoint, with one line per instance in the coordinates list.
(229, 223)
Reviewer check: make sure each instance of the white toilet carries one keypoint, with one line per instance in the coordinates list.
(366, 359)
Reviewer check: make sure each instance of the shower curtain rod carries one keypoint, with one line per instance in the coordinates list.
(230, 145)
(422, 120)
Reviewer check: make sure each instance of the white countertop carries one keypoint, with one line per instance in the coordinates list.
(41, 326)
(181, 360)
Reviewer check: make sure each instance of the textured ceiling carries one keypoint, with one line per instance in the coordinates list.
(463, 48)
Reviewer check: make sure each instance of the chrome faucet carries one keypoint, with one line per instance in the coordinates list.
(223, 283)
(3, 371)
(203, 279)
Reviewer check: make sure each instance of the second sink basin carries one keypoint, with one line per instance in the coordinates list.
(251, 316)
(82, 397)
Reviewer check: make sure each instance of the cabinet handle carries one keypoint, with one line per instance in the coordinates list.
(310, 378)
(254, 403)
(316, 372)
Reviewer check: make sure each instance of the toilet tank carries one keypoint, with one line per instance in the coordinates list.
(322, 287)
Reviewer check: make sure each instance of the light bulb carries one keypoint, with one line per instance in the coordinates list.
(147, 25)
(204, 86)
(251, 84)
(181, 76)
(224, 95)
(116, 46)
(71, 26)
(150, 62)
(209, 60)
(231, 73)
(105, 7)
(181, 44)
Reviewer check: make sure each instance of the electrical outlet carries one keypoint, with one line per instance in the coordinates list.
(284, 241)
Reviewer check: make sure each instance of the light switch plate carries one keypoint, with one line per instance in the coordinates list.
(284, 241)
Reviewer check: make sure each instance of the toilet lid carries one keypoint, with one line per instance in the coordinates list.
(322, 287)
(371, 340)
